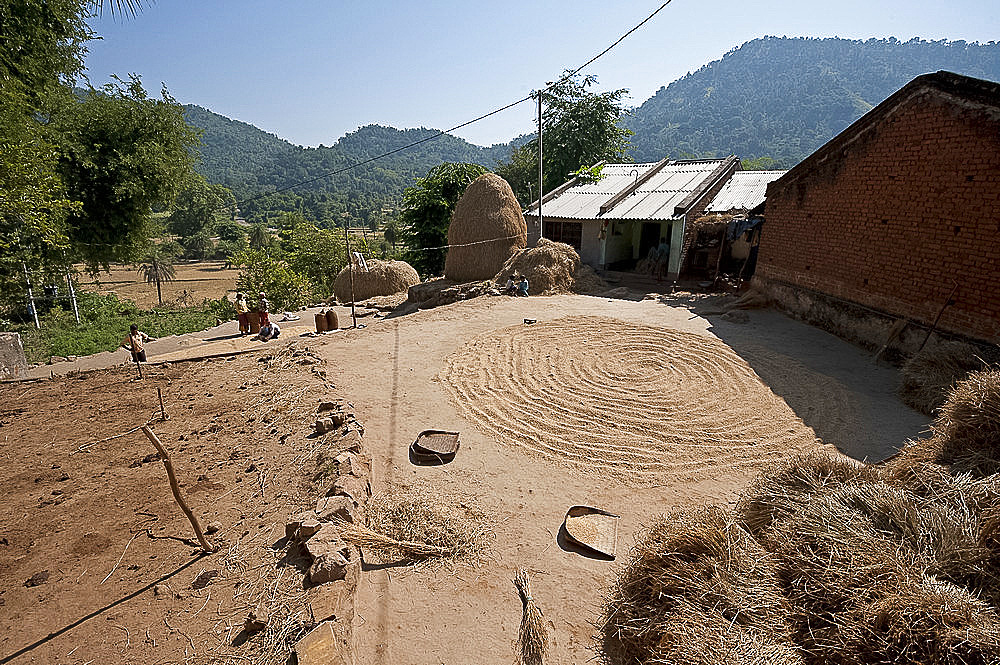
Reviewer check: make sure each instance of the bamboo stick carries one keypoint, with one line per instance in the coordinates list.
(205, 545)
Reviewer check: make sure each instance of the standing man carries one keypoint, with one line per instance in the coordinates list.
(242, 309)
(263, 306)
(135, 342)
(662, 259)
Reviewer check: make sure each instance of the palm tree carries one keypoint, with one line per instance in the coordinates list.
(158, 267)
(260, 238)
(118, 7)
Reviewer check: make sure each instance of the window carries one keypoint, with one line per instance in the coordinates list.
(570, 233)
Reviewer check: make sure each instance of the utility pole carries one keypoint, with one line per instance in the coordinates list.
(72, 293)
(350, 271)
(541, 221)
(31, 298)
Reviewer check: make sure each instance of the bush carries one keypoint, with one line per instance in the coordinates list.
(285, 288)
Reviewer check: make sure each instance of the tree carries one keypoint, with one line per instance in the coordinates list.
(427, 209)
(199, 246)
(229, 231)
(120, 154)
(260, 237)
(579, 129)
(284, 287)
(318, 254)
(157, 266)
(198, 206)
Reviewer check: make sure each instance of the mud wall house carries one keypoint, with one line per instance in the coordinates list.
(723, 239)
(614, 221)
(895, 221)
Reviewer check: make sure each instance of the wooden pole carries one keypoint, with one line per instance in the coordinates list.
(163, 412)
(350, 270)
(937, 318)
(205, 545)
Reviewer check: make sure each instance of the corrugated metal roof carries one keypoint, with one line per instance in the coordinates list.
(654, 199)
(744, 191)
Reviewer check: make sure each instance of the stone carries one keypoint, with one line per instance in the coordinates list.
(344, 462)
(13, 363)
(326, 644)
(213, 527)
(331, 508)
(331, 556)
(327, 405)
(301, 526)
(352, 486)
(332, 601)
(324, 425)
(350, 442)
(256, 620)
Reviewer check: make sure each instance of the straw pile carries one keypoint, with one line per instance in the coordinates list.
(486, 228)
(551, 268)
(410, 526)
(532, 637)
(383, 278)
(691, 564)
(832, 561)
(931, 373)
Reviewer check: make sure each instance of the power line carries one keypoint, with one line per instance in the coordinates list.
(441, 133)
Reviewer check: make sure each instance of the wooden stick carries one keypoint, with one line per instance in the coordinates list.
(176, 490)
(163, 412)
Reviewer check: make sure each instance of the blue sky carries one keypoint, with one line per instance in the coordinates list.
(312, 70)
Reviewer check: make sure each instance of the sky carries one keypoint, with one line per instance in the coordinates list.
(311, 71)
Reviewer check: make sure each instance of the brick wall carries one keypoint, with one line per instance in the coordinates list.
(896, 213)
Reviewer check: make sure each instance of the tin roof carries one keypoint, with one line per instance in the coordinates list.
(655, 198)
(744, 191)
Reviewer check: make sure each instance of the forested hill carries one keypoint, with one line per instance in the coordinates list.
(249, 160)
(784, 97)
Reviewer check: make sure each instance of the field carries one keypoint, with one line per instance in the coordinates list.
(194, 283)
(637, 407)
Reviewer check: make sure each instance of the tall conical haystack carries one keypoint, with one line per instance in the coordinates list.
(488, 215)
(383, 278)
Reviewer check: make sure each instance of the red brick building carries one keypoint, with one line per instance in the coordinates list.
(884, 221)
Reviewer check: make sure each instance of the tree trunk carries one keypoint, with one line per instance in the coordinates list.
(159, 294)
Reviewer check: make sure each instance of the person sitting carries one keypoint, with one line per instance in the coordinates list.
(522, 286)
(269, 331)
(511, 287)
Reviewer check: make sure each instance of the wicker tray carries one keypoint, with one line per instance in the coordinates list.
(593, 529)
(435, 445)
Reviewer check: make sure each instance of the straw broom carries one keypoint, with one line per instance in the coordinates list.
(364, 537)
(532, 639)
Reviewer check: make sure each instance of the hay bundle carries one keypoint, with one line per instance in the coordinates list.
(551, 267)
(410, 526)
(707, 638)
(931, 373)
(779, 491)
(383, 278)
(486, 228)
(532, 636)
(702, 560)
(926, 621)
(969, 424)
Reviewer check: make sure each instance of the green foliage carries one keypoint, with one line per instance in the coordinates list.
(579, 129)
(157, 267)
(427, 209)
(318, 254)
(104, 322)
(783, 98)
(229, 231)
(285, 288)
(199, 206)
(589, 173)
(121, 153)
(199, 246)
(260, 237)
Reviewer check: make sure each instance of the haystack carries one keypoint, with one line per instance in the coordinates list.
(701, 561)
(931, 373)
(382, 278)
(486, 228)
(969, 424)
(551, 268)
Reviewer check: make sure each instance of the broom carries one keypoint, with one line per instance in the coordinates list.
(532, 639)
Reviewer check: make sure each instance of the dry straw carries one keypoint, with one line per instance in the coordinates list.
(551, 268)
(382, 278)
(488, 211)
(532, 637)
(930, 374)
(969, 424)
(702, 560)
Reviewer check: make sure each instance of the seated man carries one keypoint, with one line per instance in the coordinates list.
(511, 287)
(522, 286)
(269, 331)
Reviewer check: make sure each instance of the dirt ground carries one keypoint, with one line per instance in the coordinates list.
(637, 407)
(194, 282)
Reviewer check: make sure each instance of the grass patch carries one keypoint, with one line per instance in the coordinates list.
(104, 321)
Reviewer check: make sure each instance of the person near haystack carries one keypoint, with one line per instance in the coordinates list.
(135, 342)
(522, 286)
(511, 287)
(270, 331)
(662, 258)
(263, 306)
(242, 310)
